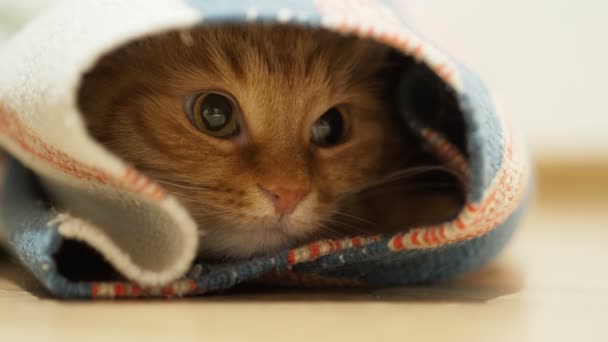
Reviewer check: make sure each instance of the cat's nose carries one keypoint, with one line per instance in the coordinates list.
(285, 199)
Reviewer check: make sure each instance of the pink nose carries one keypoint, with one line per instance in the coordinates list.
(285, 199)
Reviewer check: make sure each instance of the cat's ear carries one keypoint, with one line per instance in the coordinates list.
(391, 67)
(425, 100)
(396, 62)
(377, 54)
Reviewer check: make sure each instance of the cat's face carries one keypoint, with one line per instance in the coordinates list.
(260, 132)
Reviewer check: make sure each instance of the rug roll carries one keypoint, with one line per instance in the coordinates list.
(65, 198)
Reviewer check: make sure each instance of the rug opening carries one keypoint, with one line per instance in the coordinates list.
(76, 261)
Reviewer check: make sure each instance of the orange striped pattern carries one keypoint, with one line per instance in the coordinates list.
(132, 181)
(371, 19)
(326, 247)
(128, 290)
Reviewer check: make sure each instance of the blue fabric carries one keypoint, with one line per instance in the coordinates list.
(266, 10)
(27, 218)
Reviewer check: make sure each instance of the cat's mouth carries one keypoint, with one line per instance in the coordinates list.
(279, 226)
(249, 240)
(283, 224)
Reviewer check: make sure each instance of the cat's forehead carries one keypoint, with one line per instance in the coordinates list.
(281, 56)
(276, 113)
(303, 52)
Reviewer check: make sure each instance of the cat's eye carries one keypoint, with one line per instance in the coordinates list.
(215, 115)
(330, 129)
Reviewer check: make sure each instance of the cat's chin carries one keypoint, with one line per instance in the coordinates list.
(242, 244)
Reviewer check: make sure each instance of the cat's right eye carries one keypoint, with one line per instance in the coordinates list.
(215, 115)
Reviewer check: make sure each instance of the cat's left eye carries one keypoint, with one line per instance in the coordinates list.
(330, 129)
(215, 115)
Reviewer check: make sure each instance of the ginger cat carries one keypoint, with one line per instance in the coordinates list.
(271, 136)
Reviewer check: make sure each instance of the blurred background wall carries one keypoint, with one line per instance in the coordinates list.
(546, 60)
(14, 13)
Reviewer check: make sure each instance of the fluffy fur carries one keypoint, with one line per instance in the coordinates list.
(283, 78)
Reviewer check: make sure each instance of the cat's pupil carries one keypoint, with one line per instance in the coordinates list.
(328, 130)
(215, 112)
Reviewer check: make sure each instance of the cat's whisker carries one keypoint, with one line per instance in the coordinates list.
(407, 189)
(349, 227)
(210, 211)
(186, 197)
(179, 185)
(329, 229)
(408, 173)
(352, 216)
(198, 200)
(415, 170)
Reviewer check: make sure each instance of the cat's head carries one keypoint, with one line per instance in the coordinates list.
(260, 132)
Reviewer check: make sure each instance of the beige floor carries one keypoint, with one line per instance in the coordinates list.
(550, 285)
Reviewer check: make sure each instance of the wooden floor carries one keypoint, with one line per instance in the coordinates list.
(551, 284)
